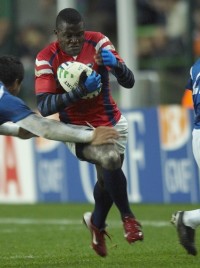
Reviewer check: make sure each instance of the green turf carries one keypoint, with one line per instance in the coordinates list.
(49, 240)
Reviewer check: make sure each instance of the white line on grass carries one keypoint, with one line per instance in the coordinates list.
(30, 221)
(18, 257)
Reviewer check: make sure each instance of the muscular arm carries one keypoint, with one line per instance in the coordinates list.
(53, 129)
(11, 129)
(35, 125)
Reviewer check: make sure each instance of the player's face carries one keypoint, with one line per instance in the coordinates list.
(71, 37)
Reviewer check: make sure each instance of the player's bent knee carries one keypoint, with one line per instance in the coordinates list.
(111, 160)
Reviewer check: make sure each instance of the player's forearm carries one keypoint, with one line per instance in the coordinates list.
(68, 134)
(54, 130)
(124, 75)
(12, 129)
(9, 129)
(49, 104)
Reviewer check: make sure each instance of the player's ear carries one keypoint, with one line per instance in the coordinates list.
(15, 87)
(17, 82)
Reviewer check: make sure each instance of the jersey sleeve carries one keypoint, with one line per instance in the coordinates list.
(13, 109)
(189, 84)
(44, 77)
(103, 41)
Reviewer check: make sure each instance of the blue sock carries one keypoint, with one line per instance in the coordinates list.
(103, 203)
(116, 185)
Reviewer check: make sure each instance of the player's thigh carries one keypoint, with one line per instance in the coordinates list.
(98, 154)
(91, 153)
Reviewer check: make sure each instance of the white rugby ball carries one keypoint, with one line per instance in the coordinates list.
(68, 74)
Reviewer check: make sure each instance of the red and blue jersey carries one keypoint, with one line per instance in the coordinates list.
(100, 110)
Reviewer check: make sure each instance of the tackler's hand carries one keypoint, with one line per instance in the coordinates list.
(104, 135)
(105, 57)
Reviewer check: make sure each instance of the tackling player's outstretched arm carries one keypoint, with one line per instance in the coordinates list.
(12, 129)
(35, 125)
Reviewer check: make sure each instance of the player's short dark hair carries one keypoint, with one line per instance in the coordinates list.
(68, 15)
(10, 69)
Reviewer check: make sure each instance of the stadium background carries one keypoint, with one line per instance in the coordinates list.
(166, 41)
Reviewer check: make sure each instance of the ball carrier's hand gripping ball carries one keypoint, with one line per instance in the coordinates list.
(73, 74)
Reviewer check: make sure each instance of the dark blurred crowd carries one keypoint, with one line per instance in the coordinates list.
(168, 34)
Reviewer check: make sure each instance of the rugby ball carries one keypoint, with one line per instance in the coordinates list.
(68, 74)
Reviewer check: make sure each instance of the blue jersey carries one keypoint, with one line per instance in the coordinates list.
(194, 85)
(12, 109)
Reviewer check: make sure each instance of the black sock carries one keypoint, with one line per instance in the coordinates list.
(103, 203)
(116, 185)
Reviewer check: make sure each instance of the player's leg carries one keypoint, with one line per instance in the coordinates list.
(95, 221)
(109, 172)
(186, 223)
(115, 183)
(103, 201)
(109, 158)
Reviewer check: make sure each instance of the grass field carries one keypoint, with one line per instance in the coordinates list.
(52, 235)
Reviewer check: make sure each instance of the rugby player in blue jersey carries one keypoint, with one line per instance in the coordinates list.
(187, 221)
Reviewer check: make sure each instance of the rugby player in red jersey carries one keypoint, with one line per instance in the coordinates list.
(94, 49)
